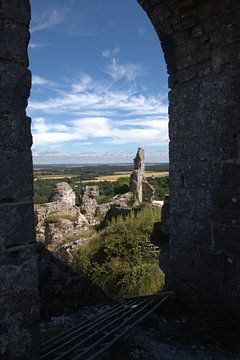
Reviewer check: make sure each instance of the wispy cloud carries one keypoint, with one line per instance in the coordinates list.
(109, 131)
(90, 111)
(49, 19)
(38, 80)
(107, 53)
(119, 71)
(34, 45)
(87, 97)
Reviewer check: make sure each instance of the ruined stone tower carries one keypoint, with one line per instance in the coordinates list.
(138, 183)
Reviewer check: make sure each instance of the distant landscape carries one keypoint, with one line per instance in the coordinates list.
(105, 175)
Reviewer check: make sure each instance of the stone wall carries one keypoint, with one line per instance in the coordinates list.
(62, 192)
(201, 44)
(19, 304)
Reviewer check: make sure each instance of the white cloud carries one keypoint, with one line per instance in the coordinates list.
(110, 52)
(90, 98)
(48, 19)
(109, 131)
(38, 80)
(128, 72)
(34, 45)
(94, 111)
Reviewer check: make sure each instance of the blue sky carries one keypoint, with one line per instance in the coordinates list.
(99, 83)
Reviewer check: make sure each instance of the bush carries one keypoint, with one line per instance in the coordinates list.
(120, 258)
(121, 186)
(161, 186)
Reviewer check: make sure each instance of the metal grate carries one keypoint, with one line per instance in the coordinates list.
(88, 340)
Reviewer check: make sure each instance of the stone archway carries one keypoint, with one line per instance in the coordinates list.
(200, 40)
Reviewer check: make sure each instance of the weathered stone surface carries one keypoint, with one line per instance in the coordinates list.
(15, 132)
(18, 11)
(63, 192)
(18, 264)
(138, 183)
(19, 303)
(88, 202)
(60, 220)
(15, 83)
(64, 290)
(16, 224)
(200, 44)
(13, 42)
(16, 178)
(57, 221)
(120, 205)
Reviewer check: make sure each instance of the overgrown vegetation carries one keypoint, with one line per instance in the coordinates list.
(52, 219)
(120, 258)
(161, 186)
(121, 186)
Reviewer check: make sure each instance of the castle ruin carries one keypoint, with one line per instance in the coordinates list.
(138, 182)
(201, 42)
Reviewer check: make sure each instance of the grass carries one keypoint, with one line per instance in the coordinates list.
(52, 219)
(119, 258)
(54, 177)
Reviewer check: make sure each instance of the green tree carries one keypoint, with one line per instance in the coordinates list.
(121, 186)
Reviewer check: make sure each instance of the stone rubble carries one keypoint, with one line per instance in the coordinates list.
(60, 219)
(88, 202)
(63, 193)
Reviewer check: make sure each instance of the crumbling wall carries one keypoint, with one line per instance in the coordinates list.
(62, 192)
(200, 40)
(19, 304)
(138, 182)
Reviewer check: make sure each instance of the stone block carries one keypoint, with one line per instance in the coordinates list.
(186, 75)
(16, 176)
(227, 239)
(230, 176)
(18, 11)
(226, 199)
(13, 42)
(227, 217)
(16, 224)
(15, 84)
(194, 204)
(15, 132)
(201, 148)
(184, 48)
(19, 304)
(193, 175)
(215, 92)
